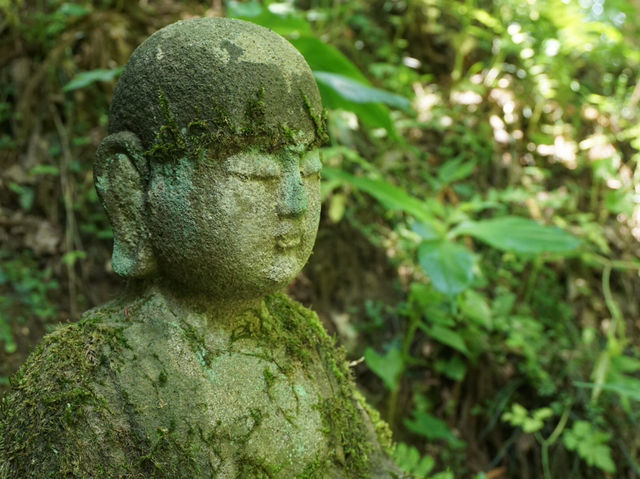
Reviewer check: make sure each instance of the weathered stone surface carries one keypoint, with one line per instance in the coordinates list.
(142, 388)
(202, 368)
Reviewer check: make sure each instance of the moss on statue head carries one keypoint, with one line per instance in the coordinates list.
(219, 135)
(215, 83)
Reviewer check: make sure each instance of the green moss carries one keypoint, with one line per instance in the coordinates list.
(383, 431)
(269, 378)
(52, 394)
(169, 456)
(256, 110)
(217, 135)
(256, 468)
(221, 137)
(288, 324)
(319, 121)
(162, 378)
(315, 470)
(344, 423)
(77, 408)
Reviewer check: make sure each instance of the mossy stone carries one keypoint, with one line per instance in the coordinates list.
(246, 84)
(135, 390)
(202, 368)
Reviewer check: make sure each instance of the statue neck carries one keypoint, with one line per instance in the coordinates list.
(201, 308)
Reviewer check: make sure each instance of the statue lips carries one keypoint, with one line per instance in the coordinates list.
(288, 241)
(288, 237)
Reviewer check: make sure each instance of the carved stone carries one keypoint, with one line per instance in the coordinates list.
(202, 368)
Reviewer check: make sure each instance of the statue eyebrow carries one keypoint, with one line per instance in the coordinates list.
(244, 164)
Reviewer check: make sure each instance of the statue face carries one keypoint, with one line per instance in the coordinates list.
(239, 226)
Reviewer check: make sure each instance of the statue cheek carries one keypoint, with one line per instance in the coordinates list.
(172, 218)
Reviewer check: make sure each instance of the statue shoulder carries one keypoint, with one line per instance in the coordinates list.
(52, 414)
(359, 438)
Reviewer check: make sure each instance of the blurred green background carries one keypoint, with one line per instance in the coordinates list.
(478, 255)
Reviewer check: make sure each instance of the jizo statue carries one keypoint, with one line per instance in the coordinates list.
(202, 368)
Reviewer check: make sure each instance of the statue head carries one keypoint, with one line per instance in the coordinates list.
(209, 174)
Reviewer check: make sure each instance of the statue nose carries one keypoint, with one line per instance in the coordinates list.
(293, 199)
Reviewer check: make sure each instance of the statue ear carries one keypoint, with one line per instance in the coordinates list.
(121, 174)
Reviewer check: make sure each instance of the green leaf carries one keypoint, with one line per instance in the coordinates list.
(627, 364)
(44, 170)
(629, 389)
(26, 195)
(373, 115)
(326, 58)
(285, 22)
(455, 170)
(358, 92)
(448, 265)
(446, 336)
(519, 235)
(84, 79)
(392, 197)
(428, 231)
(475, 307)
(530, 423)
(73, 10)
(408, 459)
(243, 10)
(388, 368)
(432, 428)
(454, 368)
(590, 444)
(337, 207)
(484, 17)
(6, 336)
(70, 257)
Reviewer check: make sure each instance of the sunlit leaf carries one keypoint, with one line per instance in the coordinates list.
(358, 92)
(237, 9)
(285, 23)
(326, 58)
(337, 206)
(519, 235)
(428, 231)
(448, 265)
(391, 197)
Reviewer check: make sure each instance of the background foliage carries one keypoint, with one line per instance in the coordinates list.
(479, 241)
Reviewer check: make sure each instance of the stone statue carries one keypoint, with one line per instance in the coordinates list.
(202, 368)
